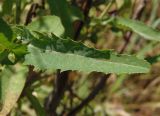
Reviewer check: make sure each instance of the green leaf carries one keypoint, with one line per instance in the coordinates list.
(61, 8)
(51, 52)
(76, 13)
(12, 81)
(35, 103)
(153, 59)
(3, 55)
(47, 24)
(7, 47)
(7, 6)
(4, 43)
(139, 28)
(5, 29)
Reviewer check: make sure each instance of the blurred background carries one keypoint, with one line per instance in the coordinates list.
(120, 95)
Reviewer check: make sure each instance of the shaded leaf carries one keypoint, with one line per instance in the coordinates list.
(5, 29)
(7, 6)
(61, 8)
(76, 13)
(153, 59)
(47, 24)
(3, 55)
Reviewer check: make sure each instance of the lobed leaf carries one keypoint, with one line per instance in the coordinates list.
(52, 52)
(58, 60)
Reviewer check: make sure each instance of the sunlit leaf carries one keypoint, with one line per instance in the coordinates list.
(139, 28)
(51, 52)
(11, 85)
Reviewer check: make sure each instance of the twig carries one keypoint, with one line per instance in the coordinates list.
(31, 13)
(91, 96)
(85, 6)
(54, 99)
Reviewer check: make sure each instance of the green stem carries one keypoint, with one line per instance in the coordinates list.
(35, 103)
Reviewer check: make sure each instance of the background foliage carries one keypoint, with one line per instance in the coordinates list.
(79, 57)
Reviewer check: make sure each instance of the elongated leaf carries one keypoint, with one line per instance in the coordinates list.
(48, 24)
(55, 53)
(11, 85)
(35, 103)
(139, 28)
(57, 60)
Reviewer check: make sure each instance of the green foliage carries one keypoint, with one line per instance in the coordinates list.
(35, 103)
(5, 29)
(76, 13)
(153, 59)
(140, 28)
(63, 12)
(7, 47)
(47, 24)
(56, 60)
(47, 44)
(51, 52)
(7, 6)
(12, 82)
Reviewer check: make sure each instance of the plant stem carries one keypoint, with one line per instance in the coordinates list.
(54, 99)
(18, 11)
(106, 9)
(91, 96)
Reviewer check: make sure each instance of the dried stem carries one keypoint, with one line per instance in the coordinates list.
(91, 96)
(54, 99)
